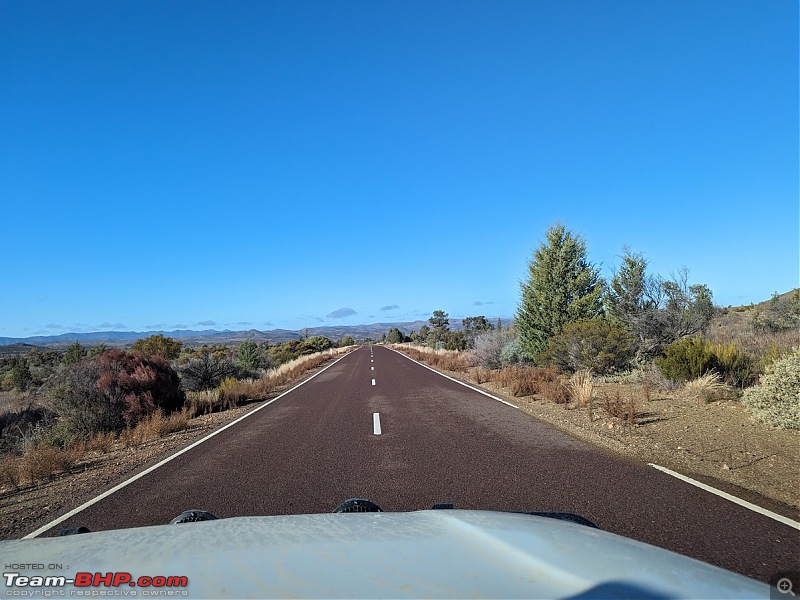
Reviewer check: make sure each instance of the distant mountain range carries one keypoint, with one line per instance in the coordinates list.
(212, 336)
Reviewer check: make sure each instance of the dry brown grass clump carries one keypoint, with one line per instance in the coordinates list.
(482, 375)
(447, 360)
(44, 461)
(623, 408)
(528, 381)
(581, 387)
(155, 427)
(708, 387)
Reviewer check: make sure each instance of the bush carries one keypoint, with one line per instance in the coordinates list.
(113, 391)
(691, 358)
(777, 400)
(206, 372)
(686, 359)
(734, 366)
(595, 344)
(18, 428)
(489, 347)
(157, 345)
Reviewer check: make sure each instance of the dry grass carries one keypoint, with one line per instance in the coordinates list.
(43, 462)
(100, 442)
(447, 360)
(10, 471)
(154, 427)
(482, 375)
(707, 387)
(623, 408)
(203, 403)
(581, 387)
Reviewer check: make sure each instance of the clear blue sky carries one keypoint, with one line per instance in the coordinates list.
(267, 164)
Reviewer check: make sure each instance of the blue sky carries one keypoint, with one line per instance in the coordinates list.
(196, 164)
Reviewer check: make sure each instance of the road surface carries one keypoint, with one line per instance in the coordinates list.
(375, 424)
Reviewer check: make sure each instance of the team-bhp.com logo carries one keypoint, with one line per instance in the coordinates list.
(94, 584)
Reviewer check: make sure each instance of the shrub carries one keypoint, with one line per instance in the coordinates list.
(624, 409)
(734, 366)
(157, 345)
(74, 354)
(776, 401)
(690, 358)
(19, 427)
(595, 344)
(489, 347)
(686, 359)
(206, 372)
(20, 374)
(115, 390)
(512, 353)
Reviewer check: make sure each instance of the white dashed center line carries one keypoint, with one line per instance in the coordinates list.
(376, 423)
(373, 382)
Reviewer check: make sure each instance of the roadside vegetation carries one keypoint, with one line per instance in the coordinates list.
(608, 346)
(59, 409)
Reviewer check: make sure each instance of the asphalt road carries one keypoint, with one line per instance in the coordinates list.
(439, 442)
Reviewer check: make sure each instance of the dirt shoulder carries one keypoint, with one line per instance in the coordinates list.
(716, 443)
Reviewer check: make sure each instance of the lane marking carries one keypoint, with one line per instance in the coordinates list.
(708, 488)
(376, 423)
(127, 482)
(372, 368)
(734, 499)
(373, 382)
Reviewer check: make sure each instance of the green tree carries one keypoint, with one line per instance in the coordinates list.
(316, 343)
(97, 350)
(346, 341)
(248, 356)
(20, 375)
(440, 326)
(74, 354)
(625, 297)
(440, 320)
(395, 336)
(423, 334)
(562, 287)
(157, 345)
(472, 326)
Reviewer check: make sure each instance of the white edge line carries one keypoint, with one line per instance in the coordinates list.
(376, 423)
(721, 494)
(118, 487)
(708, 488)
(480, 391)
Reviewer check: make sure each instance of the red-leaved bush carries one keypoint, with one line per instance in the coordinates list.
(112, 391)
